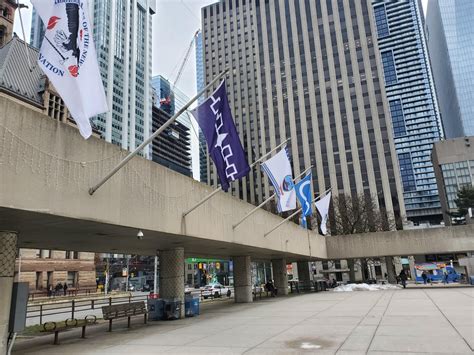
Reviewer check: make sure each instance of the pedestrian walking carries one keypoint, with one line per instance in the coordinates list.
(403, 278)
(424, 277)
(65, 288)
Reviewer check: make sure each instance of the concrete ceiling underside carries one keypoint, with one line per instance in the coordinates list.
(46, 231)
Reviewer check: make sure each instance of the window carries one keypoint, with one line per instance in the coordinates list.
(381, 21)
(406, 170)
(389, 70)
(72, 255)
(39, 280)
(398, 120)
(72, 278)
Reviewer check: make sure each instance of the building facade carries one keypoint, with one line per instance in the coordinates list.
(7, 16)
(43, 268)
(450, 37)
(412, 102)
(37, 30)
(123, 39)
(203, 156)
(453, 160)
(172, 147)
(309, 71)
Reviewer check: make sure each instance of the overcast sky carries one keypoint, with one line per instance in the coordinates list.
(174, 25)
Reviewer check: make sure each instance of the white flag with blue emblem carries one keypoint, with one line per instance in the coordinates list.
(323, 208)
(68, 57)
(278, 169)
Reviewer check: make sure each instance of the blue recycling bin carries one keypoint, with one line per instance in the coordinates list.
(191, 306)
(472, 280)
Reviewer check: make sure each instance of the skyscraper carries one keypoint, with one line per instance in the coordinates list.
(450, 37)
(170, 99)
(412, 102)
(308, 70)
(123, 37)
(37, 30)
(200, 85)
(172, 147)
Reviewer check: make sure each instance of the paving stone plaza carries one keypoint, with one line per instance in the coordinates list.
(411, 321)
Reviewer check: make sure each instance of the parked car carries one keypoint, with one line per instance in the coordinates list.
(216, 290)
(188, 289)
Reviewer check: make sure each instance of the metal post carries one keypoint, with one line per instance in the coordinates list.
(73, 304)
(266, 201)
(107, 266)
(41, 314)
(128, 273)
(220, 187)
(155, 134)
(155, 275)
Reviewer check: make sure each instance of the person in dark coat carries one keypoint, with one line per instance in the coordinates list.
(424, 277)
(65, 288)
(270, 288)
(403, 278)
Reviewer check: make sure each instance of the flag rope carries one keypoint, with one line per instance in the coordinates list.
(220, 187)
(295, 213)
(94, 188)
(266, 201)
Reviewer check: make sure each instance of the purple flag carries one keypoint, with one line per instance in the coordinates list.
(215, 119)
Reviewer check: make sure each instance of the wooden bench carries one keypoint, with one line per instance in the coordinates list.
(52, 327)
(124, 310)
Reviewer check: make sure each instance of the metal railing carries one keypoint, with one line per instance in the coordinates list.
(70, 307)
(70, 292)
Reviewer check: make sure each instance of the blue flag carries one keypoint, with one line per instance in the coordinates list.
(304, 194)
(215, 119)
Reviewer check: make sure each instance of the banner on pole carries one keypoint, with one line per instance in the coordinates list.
(68, 57)
(305, 196)
(323, 208)
(278, 169)
(215, 119)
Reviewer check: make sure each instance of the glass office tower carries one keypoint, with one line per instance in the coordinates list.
(203, 156)
(412, 102)
(450, 35)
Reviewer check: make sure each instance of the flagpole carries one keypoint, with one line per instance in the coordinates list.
(220, 187)
(155, 134)
(266, 201)
(294, 214)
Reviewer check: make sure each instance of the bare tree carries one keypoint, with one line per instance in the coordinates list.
(353, 214)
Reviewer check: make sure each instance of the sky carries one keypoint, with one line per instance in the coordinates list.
(174, 25)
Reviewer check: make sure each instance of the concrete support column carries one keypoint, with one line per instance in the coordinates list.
(304, 277)
(172, 275)
(242, 279)
(8, 248)
(391, 275)
(280, 275)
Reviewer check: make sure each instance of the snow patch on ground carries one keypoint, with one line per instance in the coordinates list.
(308, 346)
(365, 287)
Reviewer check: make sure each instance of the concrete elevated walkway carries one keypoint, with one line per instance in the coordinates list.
(46, 169)
(381, 322)
(406, 242)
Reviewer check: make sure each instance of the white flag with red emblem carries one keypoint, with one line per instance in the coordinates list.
(69, 59)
